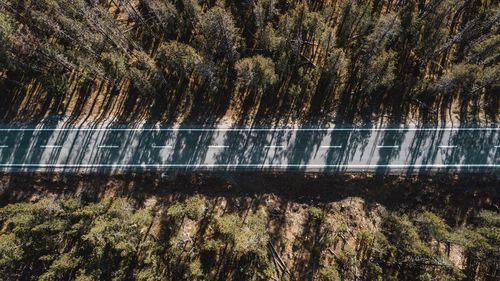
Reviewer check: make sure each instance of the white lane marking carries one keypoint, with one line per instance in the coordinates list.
(250, 129)
(274, 146)
(256, 165)
(161, 146)
(4, 146)
(218, 146)
(447, 146)
(50, 146)
(108, 146)
(497, 146)
(331, 146)
(387, 146)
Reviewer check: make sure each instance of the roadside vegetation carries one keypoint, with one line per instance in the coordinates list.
(200, 238)
(290, 226)
(171, 60)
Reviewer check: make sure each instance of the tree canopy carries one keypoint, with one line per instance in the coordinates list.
(117, 238)
(347, 59)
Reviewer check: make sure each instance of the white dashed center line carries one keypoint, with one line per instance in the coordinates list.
(387, 146)
(274, 146)
(331, 146)
(108, 146)
(161, 146)
(447, 146)
(218, 146)
(50, 146)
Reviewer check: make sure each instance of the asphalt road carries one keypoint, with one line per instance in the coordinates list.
(115, 148)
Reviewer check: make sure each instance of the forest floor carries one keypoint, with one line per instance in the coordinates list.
(393, 191)
(102, 105)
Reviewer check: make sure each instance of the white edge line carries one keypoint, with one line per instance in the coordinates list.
(253, 165)
(251, 129)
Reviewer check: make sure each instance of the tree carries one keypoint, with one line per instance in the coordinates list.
(378, 72)
(431, 227)
(410, 255)
(162, 14)
(35, 236)
(6, 29)
(142, 74)
(256, 73)
(193, 208)
(461, 77)
(178, 61)
(328, 274)
(219, 36)
(376, 64)
(264, 11)
(248, 242)
(115, 65)
(481, 243)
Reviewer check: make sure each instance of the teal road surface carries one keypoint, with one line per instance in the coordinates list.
(117, 148)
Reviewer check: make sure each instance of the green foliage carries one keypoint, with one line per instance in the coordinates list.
(486, 50)
(312, 56)
(412, 255)
(56, 84)
(10, 250)
(193, 209)
(489, 218)
(176, 210)
(248, 240)
(66, 238)
(328, 274)
(57, 233)
(481, 244)
(140, 73)
(115, 64)
(432, 227)
(162, 14)
(461, 76)
(6, 30)
(59, 268)
(347, 263)
(220, 38)
(177, 60)
(403, 236)
(256, 73)
(269, 39)
(316, 214)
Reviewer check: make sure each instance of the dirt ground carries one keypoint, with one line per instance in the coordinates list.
(100, 103)
(454, 195)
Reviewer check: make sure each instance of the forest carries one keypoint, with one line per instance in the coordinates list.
(250, 62)
(348, 61)
(207, 227)
(68, 238)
